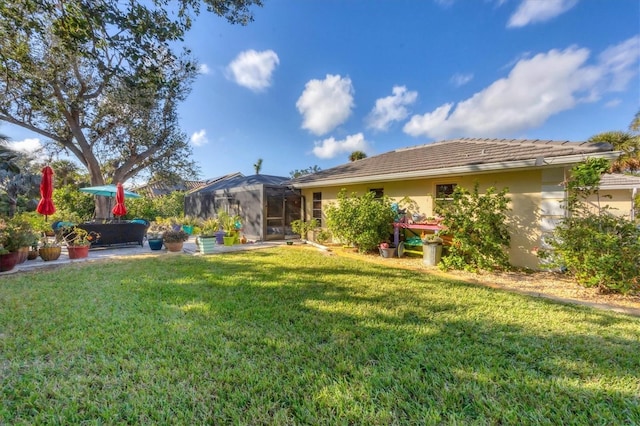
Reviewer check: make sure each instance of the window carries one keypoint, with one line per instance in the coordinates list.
(378, 191)
(444, 194)
(316, 212)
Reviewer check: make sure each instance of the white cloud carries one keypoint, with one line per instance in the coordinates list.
(325, 104)
(534, 90)
(329, 148)
(392, 108)
(252, 69)
(199, 138)
(532, 11)
(613, 103)
(204, 69)
(27, 146)
(460, 79)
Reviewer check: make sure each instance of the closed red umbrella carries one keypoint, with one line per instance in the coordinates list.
(45, 206)
(119, 209)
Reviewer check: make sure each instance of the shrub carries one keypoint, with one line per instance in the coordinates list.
(599, 250)
(596, 247)
(363, 220)
(478, 226)
(303, 228)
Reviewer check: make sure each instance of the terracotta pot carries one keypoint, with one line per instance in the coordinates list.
(8, 261)
(33, 254)
(50, 253)
(174, 247)
(78, 252)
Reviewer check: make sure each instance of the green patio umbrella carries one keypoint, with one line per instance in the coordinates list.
(108, 191)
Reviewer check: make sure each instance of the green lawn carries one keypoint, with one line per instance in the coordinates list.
(290, 335)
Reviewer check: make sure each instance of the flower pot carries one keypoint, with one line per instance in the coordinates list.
(8, 261)
(155, 243)
(219, 237)
(174, 246)
(387, 252)
(78, 252)
(206, 245)
(188, 229)
(23, 253)
(228, 241)
(33, 254)
(50, 253)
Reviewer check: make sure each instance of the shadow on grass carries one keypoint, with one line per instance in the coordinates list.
(275, 337)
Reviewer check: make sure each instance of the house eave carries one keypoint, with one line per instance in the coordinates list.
(533, 163)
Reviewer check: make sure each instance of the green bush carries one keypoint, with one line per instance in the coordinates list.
(303, 228)
(478, 226)
(596, 247)
(362, 220)
(600, 250)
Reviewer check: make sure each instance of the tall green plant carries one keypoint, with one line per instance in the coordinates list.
(478, 226)
(596, 247)
(362, 220)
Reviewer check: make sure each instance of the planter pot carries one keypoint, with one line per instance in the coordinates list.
(33, 254)
(23, 253)
(387, 252)
(8, 261)
(206, 245)
(155, 243)
(188, 229)
(78, 252)
(228, 241)
(175, 246)
(50, 253)
(219, 237)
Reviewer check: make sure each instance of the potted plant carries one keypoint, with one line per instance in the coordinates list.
(49, 248)
(206, 241)
(78, 241)
(189, 223)
(386, 250)
(231, 225)
(303, 228)
(174, 240)
(154, 236)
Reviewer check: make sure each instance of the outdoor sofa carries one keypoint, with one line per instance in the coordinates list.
(112, 232)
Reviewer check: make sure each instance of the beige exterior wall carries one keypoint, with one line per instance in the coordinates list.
(524, 190)
(618, 200)
(536, 202)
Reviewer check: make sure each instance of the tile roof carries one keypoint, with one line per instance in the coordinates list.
(454, 156)
(619, 181)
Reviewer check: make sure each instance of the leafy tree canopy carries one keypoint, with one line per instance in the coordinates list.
(101, 80)
(627, 142)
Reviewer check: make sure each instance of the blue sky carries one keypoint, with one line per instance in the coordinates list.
(310, 81)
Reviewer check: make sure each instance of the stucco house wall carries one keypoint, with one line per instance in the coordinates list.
(533, 171)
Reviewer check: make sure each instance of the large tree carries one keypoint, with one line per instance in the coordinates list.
(101, 79)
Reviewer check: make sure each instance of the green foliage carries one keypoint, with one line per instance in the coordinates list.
(103, 80)
(73, 204)
(600, 250)
(323, 235)
(303, 228)
(309, 170)
(596, 247)
(362, 220)
(170, 205)
(478, 226)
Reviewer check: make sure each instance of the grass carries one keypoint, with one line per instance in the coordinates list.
(293, 336)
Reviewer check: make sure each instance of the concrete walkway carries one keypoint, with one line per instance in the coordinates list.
(133, 250)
